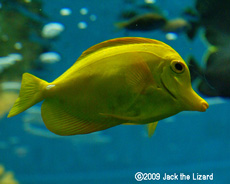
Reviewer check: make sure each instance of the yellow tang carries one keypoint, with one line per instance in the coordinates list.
(129, 80)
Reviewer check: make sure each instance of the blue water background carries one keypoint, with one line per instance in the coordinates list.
(190, 142)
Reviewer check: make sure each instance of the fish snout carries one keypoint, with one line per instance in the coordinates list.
(199, 105)
(194, 102)
(204, 106)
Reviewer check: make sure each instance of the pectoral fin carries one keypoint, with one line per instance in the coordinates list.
(139, 75)
(151, 128)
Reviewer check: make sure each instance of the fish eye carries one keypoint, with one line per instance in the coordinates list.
(177, 66)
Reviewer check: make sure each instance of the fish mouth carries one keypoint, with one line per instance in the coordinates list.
(167, 89)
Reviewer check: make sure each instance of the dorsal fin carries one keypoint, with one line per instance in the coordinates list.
(120, 41)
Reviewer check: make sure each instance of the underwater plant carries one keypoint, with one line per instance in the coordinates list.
(21, 23)
(22, 45)
(7, 177)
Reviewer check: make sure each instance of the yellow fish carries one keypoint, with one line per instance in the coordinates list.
(129, 80)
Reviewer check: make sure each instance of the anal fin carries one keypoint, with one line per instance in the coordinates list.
(59, 121)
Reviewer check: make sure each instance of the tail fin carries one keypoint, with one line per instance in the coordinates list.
(30, 94)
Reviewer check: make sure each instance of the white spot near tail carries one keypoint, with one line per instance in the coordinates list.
(50, 86)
